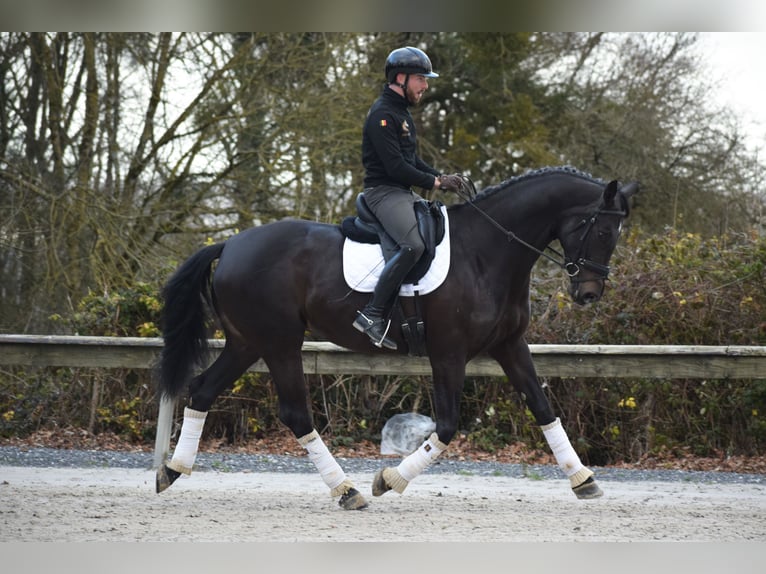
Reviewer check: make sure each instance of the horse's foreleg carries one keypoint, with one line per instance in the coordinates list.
(517, 363)
(448, 386)
(580, 476)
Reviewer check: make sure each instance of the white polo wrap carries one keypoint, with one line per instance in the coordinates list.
(188, 442)
(566, 457)
(398, 478)
(325, 463)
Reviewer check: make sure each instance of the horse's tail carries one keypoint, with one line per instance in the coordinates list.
(187, 296)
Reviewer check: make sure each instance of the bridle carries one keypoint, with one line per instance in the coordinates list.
(571, 267)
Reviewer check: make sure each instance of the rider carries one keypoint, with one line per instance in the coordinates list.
(392, 167)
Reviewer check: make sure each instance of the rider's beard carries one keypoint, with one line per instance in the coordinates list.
(413, 96)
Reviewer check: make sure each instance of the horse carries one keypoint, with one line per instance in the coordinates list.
(275, 282)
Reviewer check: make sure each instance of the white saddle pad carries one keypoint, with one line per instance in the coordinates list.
(363, 262)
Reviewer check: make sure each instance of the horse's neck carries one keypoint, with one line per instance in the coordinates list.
(534, 201)
(529, 213)
(485, 231)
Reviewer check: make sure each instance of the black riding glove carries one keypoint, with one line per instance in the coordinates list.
(460, 184)
(451, 182)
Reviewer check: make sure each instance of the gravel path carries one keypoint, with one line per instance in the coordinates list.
(72, 496)
(259, 463)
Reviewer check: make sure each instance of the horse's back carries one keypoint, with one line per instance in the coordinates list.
(275, 257)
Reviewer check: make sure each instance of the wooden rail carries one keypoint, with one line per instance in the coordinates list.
(585, 361)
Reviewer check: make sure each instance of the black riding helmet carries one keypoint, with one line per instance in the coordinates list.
(408, 60)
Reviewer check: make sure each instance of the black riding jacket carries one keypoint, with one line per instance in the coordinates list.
(389, 146)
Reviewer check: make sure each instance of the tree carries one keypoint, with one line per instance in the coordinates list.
(634, 106)
(122, 153)
(122, 150)
(90, 186)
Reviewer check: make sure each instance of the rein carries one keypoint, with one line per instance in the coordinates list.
(571, 267)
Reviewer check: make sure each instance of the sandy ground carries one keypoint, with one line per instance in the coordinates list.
(72, 505)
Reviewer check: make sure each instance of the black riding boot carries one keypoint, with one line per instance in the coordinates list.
(370, 319)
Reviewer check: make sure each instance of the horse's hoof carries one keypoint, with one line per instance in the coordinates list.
(379, 484)
(165, 477)
(588, 489)
(352, 500)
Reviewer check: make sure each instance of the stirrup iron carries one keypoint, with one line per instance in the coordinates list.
(365, 324)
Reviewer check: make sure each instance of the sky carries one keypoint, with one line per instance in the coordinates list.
(736, 60)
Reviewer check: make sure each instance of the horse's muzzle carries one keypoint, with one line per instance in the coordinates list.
(587, 292)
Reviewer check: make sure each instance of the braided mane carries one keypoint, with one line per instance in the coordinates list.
(565, 169)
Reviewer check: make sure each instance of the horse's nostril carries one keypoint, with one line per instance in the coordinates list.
(588, 298)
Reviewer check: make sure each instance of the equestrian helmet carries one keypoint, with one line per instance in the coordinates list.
(408, 60)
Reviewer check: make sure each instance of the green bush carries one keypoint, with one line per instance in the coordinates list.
(673, 289)
(125, 312)
(117, 400)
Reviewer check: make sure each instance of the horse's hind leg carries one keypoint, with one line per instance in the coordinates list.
(287, 372)
(448, 375)
(203, 391)
(519, 367)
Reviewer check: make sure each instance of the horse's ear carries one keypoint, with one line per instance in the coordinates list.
(630, 189)
(610, 192)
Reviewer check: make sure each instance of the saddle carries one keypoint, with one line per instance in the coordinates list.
(365, 228)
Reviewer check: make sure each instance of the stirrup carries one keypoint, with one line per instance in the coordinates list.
(372, 327)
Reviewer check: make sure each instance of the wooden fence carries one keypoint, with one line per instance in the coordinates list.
(585, 361)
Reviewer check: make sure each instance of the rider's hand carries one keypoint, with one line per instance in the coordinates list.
(451, 182)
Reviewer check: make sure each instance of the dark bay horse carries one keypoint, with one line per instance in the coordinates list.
(274, 282)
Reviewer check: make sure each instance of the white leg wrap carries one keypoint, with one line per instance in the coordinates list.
(566, 457)
(188, 442)
(414, 464)
(325, 463)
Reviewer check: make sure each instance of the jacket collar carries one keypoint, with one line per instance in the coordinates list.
(396, 99)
